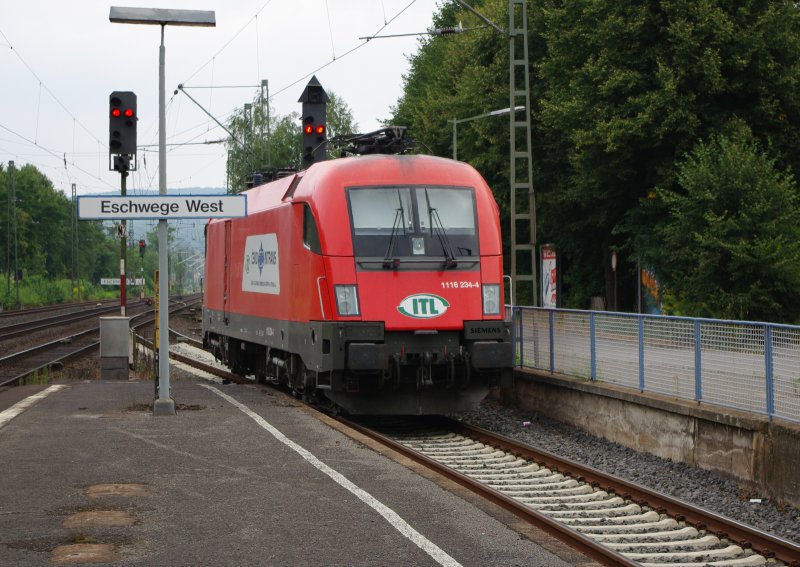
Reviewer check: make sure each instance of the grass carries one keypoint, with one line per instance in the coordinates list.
(40, 377)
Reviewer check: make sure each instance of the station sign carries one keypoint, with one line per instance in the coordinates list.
(115, 281)
(162, 207)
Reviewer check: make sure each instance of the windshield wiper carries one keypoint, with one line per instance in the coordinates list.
(399, 220)
(437, 227)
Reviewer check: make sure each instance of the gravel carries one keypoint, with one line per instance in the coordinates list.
(699, 487)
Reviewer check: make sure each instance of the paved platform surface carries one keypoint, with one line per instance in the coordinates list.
(241, 476)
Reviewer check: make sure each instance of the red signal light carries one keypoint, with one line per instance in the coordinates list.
(308, 129)
(128, 113)
(116, 112)
(321, 129)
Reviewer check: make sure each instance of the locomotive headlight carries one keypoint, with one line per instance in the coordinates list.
(346, 299)
(491, 299)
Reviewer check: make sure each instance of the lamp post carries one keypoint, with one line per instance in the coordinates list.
(10, 203)
(164, 405)
(456, 121)
(614, 269)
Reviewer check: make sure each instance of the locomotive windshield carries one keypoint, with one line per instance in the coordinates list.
(394, 224)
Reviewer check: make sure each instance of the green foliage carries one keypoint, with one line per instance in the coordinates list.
(340, 118)
(43, 251)
(265, 141)
(732, 238)
(620, 91)
(456, 77)
(179, 255)
(39, 290)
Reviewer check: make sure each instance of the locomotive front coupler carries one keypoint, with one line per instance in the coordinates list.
(424, 371)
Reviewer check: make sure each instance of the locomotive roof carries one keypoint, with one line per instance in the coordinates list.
(387, 170)
(322, 187)
(361, 171)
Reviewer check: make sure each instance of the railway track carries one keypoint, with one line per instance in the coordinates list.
(36, 311)
(613, 521)
(40, 323)
(51, 355)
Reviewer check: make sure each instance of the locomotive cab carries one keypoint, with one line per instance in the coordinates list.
(417, 256)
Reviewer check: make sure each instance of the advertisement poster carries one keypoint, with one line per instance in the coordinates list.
(261, 273)
(549, 276)
(651, 293)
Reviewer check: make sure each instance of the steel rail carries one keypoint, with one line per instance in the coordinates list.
(18, 329)
(218, 372)
(188, 339)
(10, 313)
(44, 346)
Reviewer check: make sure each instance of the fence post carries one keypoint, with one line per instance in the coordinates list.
(521, 336)
(552, 320)
(768, 371)
(535, 337)
(592, 347)
(640, 319)
(698, 362)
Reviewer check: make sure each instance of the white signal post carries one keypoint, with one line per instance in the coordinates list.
(164, 404)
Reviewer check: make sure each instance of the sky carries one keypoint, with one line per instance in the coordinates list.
(59, 62)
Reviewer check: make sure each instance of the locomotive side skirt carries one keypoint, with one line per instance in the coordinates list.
(326, 346)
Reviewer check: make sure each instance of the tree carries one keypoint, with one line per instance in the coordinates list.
(261, 144)
(631, 86)
(458, 76)
(44, 239)
(340, 118)
(732, 238)
(620, 91)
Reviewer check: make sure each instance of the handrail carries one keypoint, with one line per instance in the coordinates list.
(319, 294)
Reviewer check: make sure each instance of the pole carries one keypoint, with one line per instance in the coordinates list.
(523, 199)
(16, 240)
(455, 140)
(614, 270)
(8, 229)
(248, 136)
(77, 244)
(123, 245)
(73, 246)
(164, 405)
(265, 86)
(639, 287)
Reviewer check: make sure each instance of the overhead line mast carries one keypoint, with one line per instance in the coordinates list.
(522, 195)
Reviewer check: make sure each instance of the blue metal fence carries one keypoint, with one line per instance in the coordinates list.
(737, 364)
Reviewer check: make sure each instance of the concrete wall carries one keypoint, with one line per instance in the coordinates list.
(759, 453)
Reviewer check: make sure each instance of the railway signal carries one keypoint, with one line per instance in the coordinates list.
(142, 247)
(122, 123)
(315, 126)
(122, 119)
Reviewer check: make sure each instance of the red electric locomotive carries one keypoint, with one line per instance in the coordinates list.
(374, 281)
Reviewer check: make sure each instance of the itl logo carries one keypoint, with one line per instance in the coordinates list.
(423, 306)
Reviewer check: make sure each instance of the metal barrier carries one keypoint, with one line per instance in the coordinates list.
(737, 364)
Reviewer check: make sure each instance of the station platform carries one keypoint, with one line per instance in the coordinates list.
(242, 475)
